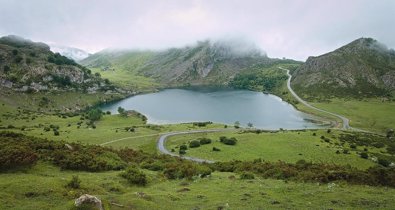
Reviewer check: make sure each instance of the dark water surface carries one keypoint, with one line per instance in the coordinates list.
(223, 106)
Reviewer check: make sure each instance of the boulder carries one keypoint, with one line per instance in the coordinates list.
(89, 200)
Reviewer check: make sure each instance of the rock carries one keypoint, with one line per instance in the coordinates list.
(90, 200)
(69, 146)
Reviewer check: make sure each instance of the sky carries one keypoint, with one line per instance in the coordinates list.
(282, 28)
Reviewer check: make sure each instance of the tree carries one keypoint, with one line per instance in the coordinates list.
(237, 124)
(250, 125)
(94, 114)
(122, 112)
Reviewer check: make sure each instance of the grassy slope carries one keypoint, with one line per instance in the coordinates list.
(285, 146)
(128, 80)
(123, 72)
(208, 193)
(370, 114)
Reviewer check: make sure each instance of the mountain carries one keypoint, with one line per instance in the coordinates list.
(70, 52)
(31, 66)
(362, 68)
(205, 63)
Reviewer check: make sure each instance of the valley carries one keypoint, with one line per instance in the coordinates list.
(49, 135)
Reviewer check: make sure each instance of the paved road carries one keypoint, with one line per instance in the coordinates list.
(346, 121)
(162, 139)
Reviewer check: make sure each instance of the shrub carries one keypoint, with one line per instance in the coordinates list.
(215, 149)
(14, 156)
(204, 141)
(74, 183)
(182, 152)
(364, 155)
(247, 175)
(56, 132)
(201, 124)
(194, 144)
(383, 162)
(228, 141)
(134, 176)
(183, 147)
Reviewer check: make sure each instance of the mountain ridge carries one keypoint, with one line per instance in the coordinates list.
(364, 67)
(205, 63)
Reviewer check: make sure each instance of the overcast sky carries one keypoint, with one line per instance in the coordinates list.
(282, 28)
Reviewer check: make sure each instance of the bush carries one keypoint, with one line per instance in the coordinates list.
(183, 147)
(247, 175)
(14, 156)
(204, 141)
(215, 149)
(194, 144)
(182, 152)
(201, 124)
(56, 132)
(364, 155)
(383, 162)
(74, 183)
(134, 176)
(228, 141)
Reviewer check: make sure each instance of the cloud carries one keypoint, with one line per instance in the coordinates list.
(282, 28)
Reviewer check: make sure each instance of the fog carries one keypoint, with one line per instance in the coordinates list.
(281, 28)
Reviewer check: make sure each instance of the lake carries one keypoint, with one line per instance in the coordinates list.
(170, 106)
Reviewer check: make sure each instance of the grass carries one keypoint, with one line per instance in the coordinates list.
(57, 102)
(368, 114)
(128, 80)
(288, 146)
(109, 128)
(43, 187)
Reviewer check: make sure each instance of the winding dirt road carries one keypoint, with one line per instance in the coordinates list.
(162, 139)
(346, 121)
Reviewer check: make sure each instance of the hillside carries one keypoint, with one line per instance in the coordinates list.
(31, 66)
(206, 63)
(362, 68)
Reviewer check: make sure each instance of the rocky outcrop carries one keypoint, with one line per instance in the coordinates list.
(89, 200)
(364, 67)
(31, 66)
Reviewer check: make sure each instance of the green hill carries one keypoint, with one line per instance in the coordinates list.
(205, 63)
(362, 68)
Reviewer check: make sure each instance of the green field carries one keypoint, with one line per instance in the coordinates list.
(289, 146)
(43, 187)
(369, 114)
(128, 80)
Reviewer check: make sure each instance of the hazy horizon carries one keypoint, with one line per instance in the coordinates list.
(291, 29)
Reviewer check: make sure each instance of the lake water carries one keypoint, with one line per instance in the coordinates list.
(222, 106)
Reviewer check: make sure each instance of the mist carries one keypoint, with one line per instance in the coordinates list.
(291, 29)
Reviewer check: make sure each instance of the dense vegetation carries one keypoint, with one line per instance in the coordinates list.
(261, 79)
(75, 156)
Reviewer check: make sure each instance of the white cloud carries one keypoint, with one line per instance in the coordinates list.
(282, 28)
